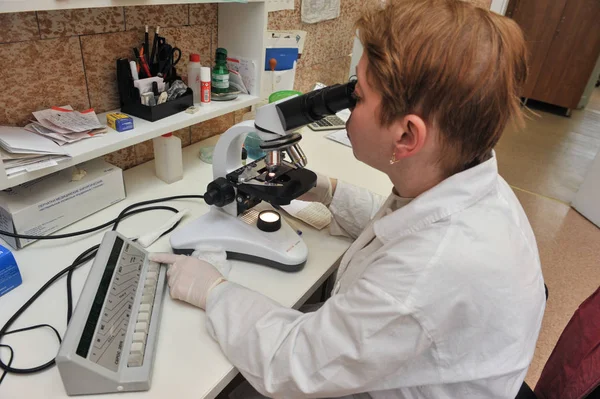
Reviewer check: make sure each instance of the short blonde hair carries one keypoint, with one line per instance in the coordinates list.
(458, 66)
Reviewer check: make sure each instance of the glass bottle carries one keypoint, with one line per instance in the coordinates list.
(220, 73)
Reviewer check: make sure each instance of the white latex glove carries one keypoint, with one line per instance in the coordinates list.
(214, 255)
(322, 192)
(190, 279)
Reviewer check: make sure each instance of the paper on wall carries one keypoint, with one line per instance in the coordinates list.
(278, 80)
(286, 38)
(314, 11)
(278, 5)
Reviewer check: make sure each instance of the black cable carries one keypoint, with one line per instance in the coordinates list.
(154, 201)
(83, 258)
(12, 354)
(116, 221)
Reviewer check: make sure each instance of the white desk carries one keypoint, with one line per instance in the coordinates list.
(188, 362)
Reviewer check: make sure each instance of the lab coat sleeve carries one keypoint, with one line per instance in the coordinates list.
(348, 346)
(352, 208)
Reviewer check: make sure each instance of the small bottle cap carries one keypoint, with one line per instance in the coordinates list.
(221, 53)
(205, 75)
(194, 57)
(167, 135)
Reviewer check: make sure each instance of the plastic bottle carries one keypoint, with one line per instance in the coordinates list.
(193, 71)
(205, 85)
(168, 160)
(220, 73)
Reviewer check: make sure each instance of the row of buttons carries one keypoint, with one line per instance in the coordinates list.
(142, 324)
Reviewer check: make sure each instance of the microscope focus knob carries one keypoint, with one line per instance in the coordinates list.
(219, 193)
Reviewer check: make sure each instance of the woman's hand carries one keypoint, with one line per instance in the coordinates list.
(322, 192)
(190, 279)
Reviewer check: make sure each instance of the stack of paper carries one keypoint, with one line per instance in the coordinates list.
(63, 125)
(24, 151)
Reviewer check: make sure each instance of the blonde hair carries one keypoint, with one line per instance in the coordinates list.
(458, 66)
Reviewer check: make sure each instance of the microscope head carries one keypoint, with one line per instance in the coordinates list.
(276, 122)
(280, 176)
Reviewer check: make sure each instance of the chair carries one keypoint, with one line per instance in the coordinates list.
(571, 370)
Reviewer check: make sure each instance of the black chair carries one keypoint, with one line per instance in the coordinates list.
(525, 392)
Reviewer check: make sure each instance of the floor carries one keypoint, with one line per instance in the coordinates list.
(545, 163)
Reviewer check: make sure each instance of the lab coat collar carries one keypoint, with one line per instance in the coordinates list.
(452, 195)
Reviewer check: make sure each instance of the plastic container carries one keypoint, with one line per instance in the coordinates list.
(220, 73)
(252, 146)
(278, 95)
(205, 85)
(206, 153)
(193, 71)
(168, 161)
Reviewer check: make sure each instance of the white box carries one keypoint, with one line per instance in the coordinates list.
(43, 206)
(587, 199)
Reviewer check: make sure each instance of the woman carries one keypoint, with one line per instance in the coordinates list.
(441, 295)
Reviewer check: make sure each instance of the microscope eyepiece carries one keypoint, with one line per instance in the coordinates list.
(307, 108)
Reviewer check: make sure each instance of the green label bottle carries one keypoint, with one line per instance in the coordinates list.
(220, 73)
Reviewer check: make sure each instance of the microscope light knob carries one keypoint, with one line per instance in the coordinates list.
(268, 221)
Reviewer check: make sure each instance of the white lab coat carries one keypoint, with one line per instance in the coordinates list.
(449, 306)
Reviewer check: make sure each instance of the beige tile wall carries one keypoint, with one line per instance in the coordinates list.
(69, 57)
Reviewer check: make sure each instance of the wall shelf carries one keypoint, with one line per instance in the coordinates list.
(144, 130)
(45, 5)
(245, 40)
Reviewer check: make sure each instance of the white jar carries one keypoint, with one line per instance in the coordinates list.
(168, 160)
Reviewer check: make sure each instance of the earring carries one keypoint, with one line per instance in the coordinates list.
(393, 160)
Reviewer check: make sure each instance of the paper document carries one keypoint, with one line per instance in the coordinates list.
(41, 165)
(277, 5)
(236, 81)
(344, 114)
(247, 69)
(76, 121)
(58, 138)
(64, 125)
(341, 136)
(18, 140)
(278, 38)
(42, 118)
(313, 213)
(24, 151)
(314, 11)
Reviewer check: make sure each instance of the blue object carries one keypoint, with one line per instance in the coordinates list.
(252, 146)
(124, 124)
(9, 271)
(285, 58)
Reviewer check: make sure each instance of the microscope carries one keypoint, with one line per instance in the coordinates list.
(240, 219)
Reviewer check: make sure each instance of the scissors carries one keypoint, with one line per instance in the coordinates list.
(168, 57)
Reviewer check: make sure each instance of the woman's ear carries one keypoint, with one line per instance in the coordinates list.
(410, 135)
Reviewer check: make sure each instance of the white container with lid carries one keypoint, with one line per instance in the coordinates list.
(168, 159)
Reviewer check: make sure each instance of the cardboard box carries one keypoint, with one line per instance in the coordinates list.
(119, 122)
(43, 206)
(10, 277)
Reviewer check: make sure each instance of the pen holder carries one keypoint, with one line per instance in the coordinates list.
(131, 104)
(159, 111)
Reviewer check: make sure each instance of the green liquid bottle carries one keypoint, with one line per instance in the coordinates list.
(220, 73)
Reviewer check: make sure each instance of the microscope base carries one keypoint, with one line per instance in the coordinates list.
(239, 236)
